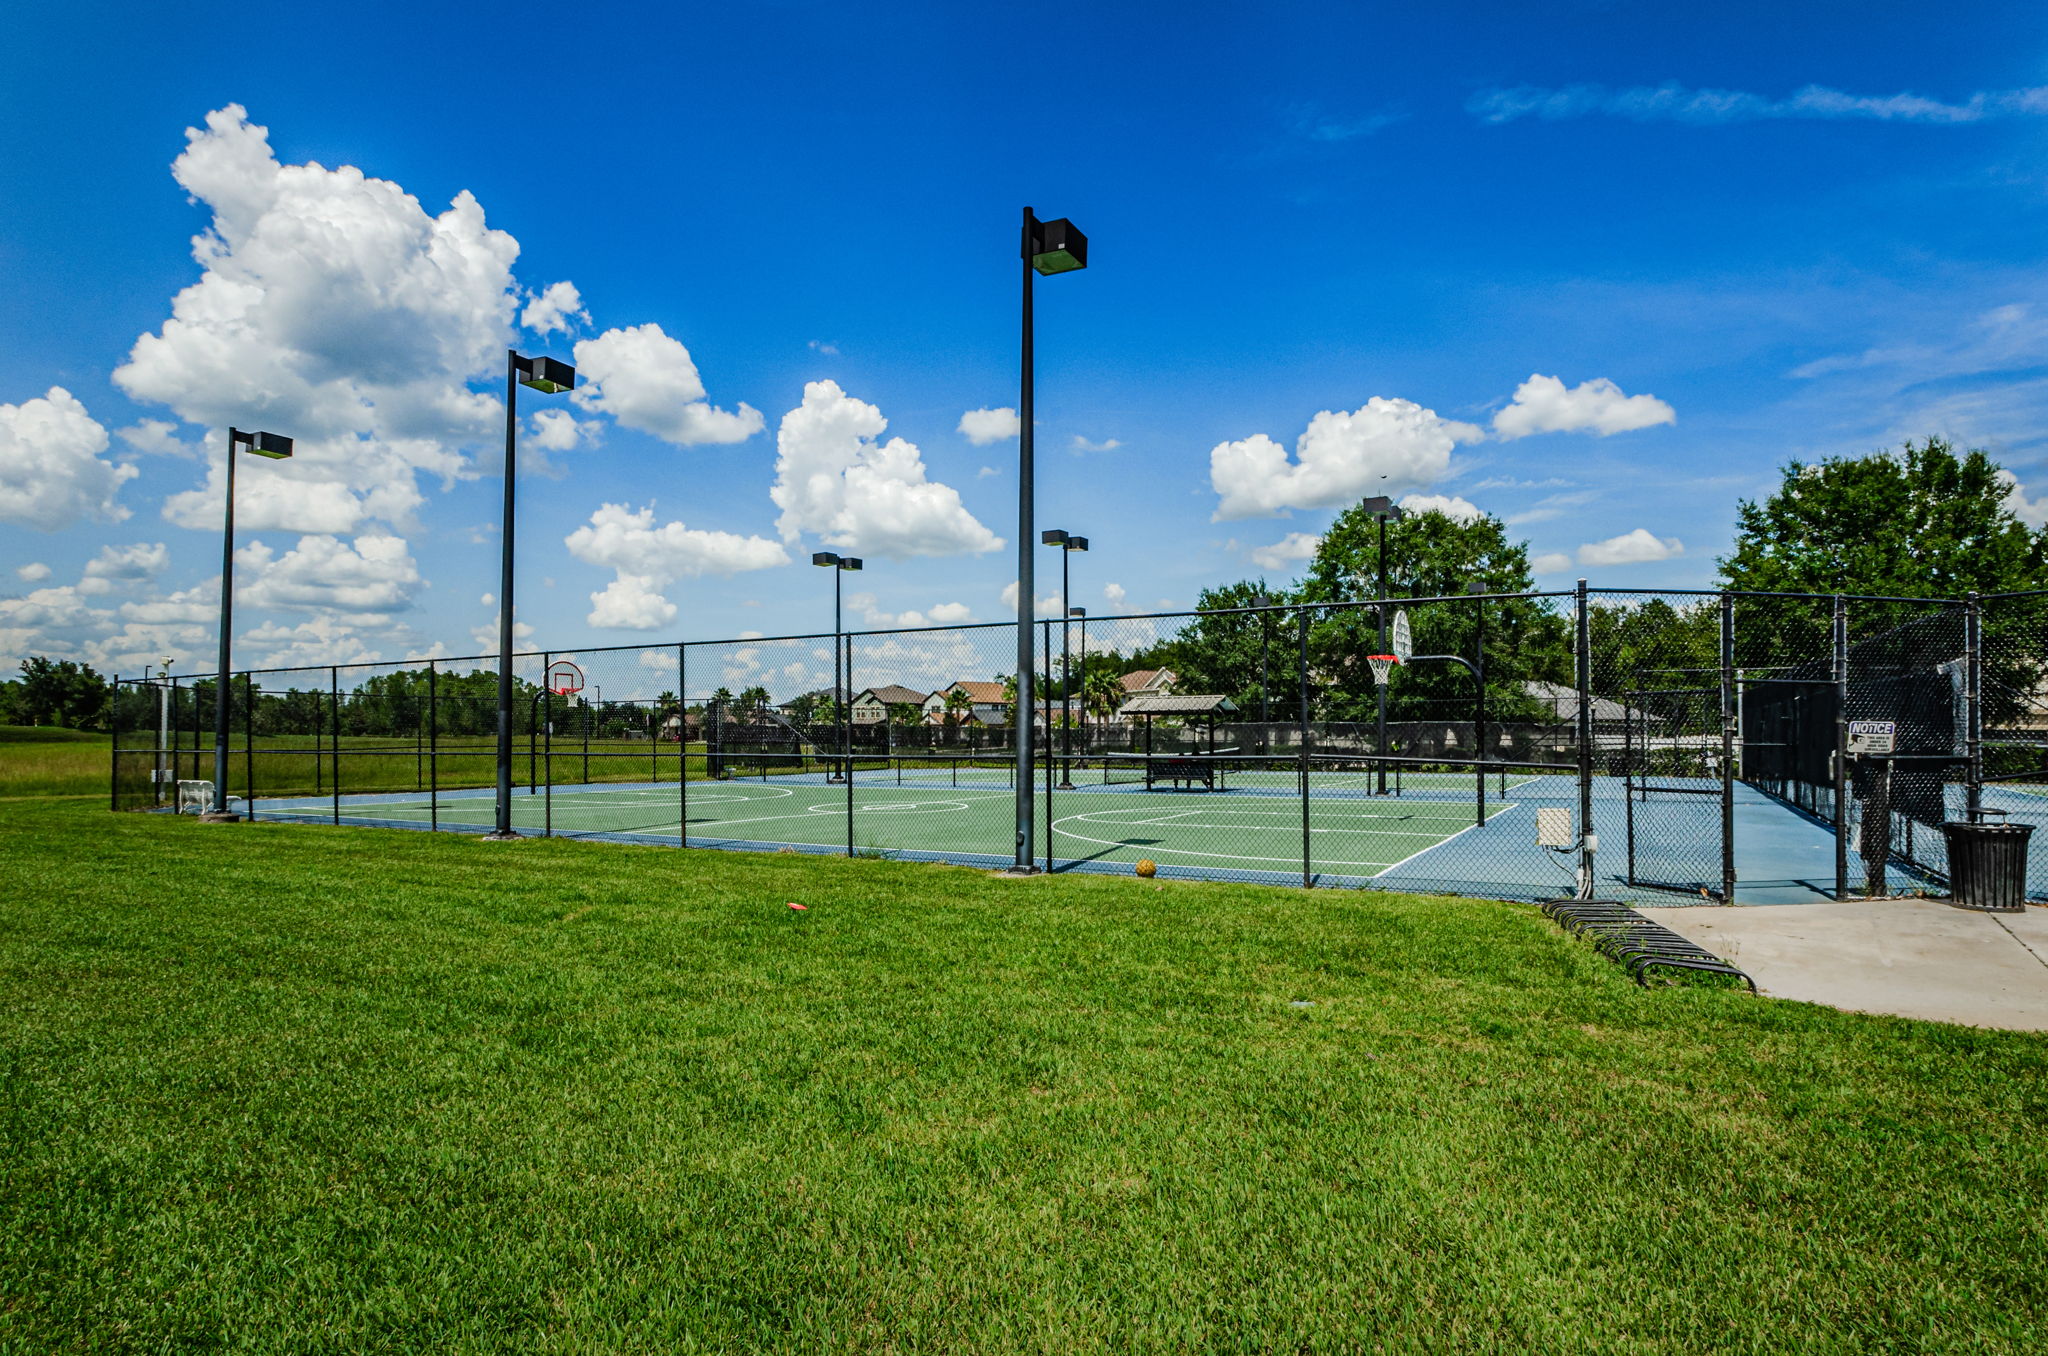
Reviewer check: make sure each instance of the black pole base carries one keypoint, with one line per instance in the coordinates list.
(219, 817)
(1020, 871)
(1064, 786)
(508, 836)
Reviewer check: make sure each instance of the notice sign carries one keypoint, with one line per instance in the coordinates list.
(1873, 736)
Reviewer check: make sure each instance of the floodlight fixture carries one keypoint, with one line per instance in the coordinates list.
(1058, 247)
(275, 446)
(1077, 612)
(547, 375)
(1381, 507)
(826, 558)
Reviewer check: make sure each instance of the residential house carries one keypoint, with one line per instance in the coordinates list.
(988, 708)
(871, 706)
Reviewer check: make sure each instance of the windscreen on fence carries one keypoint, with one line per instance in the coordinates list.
(1703, 737)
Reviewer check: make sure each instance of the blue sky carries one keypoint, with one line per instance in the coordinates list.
(1597, 269)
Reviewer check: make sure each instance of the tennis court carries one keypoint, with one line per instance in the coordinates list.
(1250, 828)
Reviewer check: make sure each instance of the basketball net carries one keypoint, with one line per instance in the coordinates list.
(1382, 666)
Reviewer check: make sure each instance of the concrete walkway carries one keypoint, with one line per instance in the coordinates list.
(1910, 957)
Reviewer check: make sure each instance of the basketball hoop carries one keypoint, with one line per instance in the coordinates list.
(1382, 665)
(564, 678)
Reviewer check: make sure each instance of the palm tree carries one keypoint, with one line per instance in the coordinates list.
(1103, 691)
(958, 707)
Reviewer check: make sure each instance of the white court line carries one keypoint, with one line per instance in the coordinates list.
(1505, 809)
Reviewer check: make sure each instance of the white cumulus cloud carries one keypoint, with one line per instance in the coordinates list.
(647, 558)
(320, 640)
(983, 427)
(51, 471)
(555, 307)
(374, 575)
(1385, 446)
(1551, 562)
(332, 308)
(158, 438)
(1450, 505)
(1046, 606)
(34, 572)
(1543, 405)
(1630, 548)
(2032, 512)
(647, 380)
(143, 560)
(836, 479)
(1288, 552)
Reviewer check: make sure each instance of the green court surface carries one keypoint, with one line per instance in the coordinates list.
(1253, 830)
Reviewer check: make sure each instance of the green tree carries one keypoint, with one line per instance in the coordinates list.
(1922, 522)
(1430, 555)
(61, 692)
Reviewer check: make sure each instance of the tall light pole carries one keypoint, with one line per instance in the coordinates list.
(277, 448)
(549, 376)
(1382, 508)
(839, 565)
(1067, 544)
(1049, 247)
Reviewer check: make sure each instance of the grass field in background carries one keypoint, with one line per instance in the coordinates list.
(292, 1088)
(43, 760)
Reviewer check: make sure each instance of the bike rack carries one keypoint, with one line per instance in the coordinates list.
(1629, 939)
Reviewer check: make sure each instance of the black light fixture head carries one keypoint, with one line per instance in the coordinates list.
(272, 445)
(1077, 543)
(1058, 247)
(1077, 612)
(1475, 587)
(849, 562)
(1052, 537)
(549, 375)
(825, 558)
(1380, 506)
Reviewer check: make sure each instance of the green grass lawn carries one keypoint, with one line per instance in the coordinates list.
(292, 1088)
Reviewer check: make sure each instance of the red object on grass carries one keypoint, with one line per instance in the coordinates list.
(800, 908)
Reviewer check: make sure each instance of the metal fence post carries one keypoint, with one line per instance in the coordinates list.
(1045, 648)
(1589, 841)
(1973, 708)
(547, 662)
(845, 702)
(1308, 879)
(1728, 731)
(433, 748)
(249, 744)
(1841, 758)
(114, 751)
(683, 746)
(334, 714)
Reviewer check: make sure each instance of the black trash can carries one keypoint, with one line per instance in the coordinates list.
(1987, 865)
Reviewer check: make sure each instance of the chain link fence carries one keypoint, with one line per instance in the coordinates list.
(1664, 747)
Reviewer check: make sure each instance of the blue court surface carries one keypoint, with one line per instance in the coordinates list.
(1431, 837)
